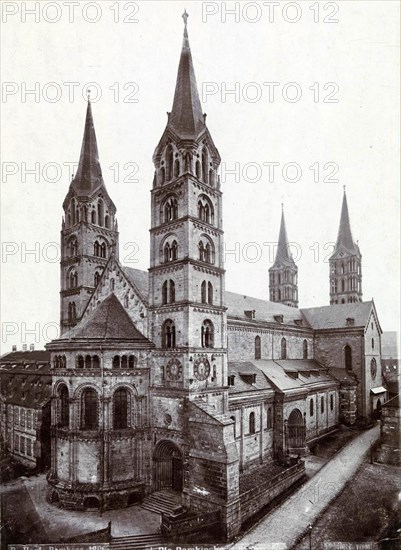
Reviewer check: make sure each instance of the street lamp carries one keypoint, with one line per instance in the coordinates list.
(310, 535)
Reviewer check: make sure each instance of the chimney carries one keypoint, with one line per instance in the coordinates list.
(14, 348)
(24, 347)
(32, 347)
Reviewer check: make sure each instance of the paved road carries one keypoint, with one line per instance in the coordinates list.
(280, 529)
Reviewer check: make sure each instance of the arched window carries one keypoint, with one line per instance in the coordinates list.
(207, 334)
(72, 314)
(88, 362)
(283, 348)
(331, 402)
(205, 172)
(96, 249)
(93, 216)
(252, 423)
(64, 406)
(174, 251)
(206, 251)
(80, 362)
(131, 361)
(103, 250)
(72, 247)
(170, 161)
(84, 214)
(322, 404)
(167, 252)
(269, 419)
(100, 212)
(176, 168)
(112, 284)
(124, 362)
(126, 300)
(305, 349)
(116, 362)
(198, 169)
(203, 292)
(311, 407)
(120, 409)
(211, 177)
(258, 348)
(373, 343)
(89, 415)
(164, 293)
(348, 358)
(279, 294)
(168, 334)
(342, 285)
(162, 175)
(72, 279)
(95, 362)
(107, 221)
(210, 293)
(172, 292)
(205, 209)
(170, 209)
(96, 278)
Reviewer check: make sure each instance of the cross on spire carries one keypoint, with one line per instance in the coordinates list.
(185, 17)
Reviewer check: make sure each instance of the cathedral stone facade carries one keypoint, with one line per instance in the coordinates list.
(163, 379)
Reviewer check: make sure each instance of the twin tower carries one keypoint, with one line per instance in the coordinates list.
(89, 234)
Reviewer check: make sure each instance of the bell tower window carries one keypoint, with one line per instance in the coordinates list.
(168, 334)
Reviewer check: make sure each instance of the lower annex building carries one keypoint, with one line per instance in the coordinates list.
(163, 379)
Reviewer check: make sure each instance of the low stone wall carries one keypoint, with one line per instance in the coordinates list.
(256, 498)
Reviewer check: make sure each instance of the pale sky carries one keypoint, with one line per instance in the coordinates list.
(134, 66)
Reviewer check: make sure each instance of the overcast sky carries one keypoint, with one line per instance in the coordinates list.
(334, 107)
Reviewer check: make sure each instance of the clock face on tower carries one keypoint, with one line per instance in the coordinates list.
(173, 369)
(201, 368)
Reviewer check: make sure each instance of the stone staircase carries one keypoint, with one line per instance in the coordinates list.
(162, 502)
(137, 542)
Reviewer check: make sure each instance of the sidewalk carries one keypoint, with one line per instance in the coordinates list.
(281, 529)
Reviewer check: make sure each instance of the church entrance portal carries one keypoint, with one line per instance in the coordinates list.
(167, 467)
(296, 432)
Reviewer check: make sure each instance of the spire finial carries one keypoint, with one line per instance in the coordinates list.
(185, 17)
(88, 95)
(282, 207)
(344, 188)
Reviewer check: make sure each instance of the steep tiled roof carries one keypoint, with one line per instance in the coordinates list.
(35, 356)
(283, 254)
(186, 116)
(243, 370)
(30, 388)
(140, 280)
(109, 321)
(345, 243)
(237, 304)
(336, 315)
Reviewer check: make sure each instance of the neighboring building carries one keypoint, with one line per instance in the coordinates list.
(389, 451)
(163, 379)
(25, 392)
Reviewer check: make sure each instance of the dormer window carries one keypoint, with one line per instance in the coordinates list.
(231, 380)
(279, 318)
(350, 321)
(250, 314)
(249, 378)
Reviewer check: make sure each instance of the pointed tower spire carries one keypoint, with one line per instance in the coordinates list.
(283, 275)
(345, 263)
(186, 116)
(344, 237)
(89, 173)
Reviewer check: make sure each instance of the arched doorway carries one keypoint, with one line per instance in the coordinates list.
(296, 431)
(167, 467)
(378, 409)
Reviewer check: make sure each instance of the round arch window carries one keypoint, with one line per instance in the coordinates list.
(373, 368)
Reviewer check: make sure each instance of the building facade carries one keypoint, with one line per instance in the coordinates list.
(163, 379)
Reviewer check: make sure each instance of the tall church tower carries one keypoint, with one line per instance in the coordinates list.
(283, 274)
(89, 231)
(345, 264)
(186, 272)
